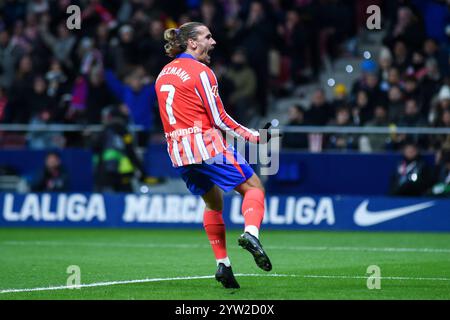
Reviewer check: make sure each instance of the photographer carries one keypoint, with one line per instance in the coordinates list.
(115, 160)
(53, 176)
(441, 186)
(412, 176)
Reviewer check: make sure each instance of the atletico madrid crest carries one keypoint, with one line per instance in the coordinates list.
(215, 91)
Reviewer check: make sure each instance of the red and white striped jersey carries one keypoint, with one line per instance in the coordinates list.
(192, 112)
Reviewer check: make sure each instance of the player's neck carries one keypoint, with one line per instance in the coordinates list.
(192, 53)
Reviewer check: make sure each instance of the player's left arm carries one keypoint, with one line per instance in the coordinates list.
(208, 90)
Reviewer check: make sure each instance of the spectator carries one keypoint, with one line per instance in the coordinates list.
(441, 104)
(335, 20)
(370, 82)
(38, 100)
(227, 88)
(9, 56)
(417, 68)
(294, 140)
(255, 35)
(53, 177)
(362, 110)
(19, 40)
(319, 112)
(412, 176)
(407, 27)
(393, 79)
(411, 117)
(395, 104)
(340, 96)
(96, 12)
(62, 45)
(98, 97)
(22, 88)
(431, 83)
(58, 82)
(150, 54)
(342, 141)
(294, 39)
(42, 110)
(411, 91)
(438, 140)
(40, 140)
(137, 94)
(242, 99)
(211, 13)
(402, 59)
(378, 142)
(385, 63)
(431, 49)
(124, 51)
(102, 41)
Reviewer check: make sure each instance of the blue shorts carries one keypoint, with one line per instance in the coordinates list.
(226, 170)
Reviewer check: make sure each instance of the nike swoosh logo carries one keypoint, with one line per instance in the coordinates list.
(365, 218)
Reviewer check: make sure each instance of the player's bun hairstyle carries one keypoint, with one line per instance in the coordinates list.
(177, 38)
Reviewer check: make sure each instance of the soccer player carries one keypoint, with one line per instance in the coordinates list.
(194, 119)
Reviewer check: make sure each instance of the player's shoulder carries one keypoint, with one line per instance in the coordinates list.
(205, 70)
(186, 69)
(197, 68)
(200, 66)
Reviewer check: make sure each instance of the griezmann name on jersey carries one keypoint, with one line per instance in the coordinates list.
(192, 113)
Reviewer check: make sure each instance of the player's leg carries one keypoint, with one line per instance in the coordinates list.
(252, 191)
(215, 230)
(198, 181)
(214, 225)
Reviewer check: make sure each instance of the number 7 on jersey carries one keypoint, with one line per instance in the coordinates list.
(171, 90)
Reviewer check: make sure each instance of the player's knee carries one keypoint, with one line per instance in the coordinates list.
(258, 185)
(213, 199)
(253, 183)
(262, 189)
(214, 203)
(213, 206)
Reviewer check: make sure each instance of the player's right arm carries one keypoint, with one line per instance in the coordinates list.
(207, 90)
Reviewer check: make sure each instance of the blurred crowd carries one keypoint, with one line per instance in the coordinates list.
(266, 48)
(406, 85)
(50, 74)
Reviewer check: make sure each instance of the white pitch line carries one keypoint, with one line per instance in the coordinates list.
(192, 246)
(112, 283)
(106, 244)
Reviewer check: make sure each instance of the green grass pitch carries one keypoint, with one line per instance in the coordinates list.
(306, 265)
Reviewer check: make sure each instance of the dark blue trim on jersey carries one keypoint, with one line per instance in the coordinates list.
(185, 55)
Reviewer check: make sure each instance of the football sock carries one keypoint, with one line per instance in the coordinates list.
(225, 261)
(215, 230)
(253, 211)
(254, 231)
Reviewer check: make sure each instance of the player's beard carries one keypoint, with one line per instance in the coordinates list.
(205, 57)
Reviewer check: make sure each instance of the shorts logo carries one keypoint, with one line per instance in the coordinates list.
(215, 91)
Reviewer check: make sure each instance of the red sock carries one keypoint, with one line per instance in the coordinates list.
(253, 207)
(215, 230)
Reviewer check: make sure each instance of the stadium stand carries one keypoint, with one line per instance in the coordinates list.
(271, 56)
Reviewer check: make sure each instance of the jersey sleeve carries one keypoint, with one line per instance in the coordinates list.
(208, 91)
